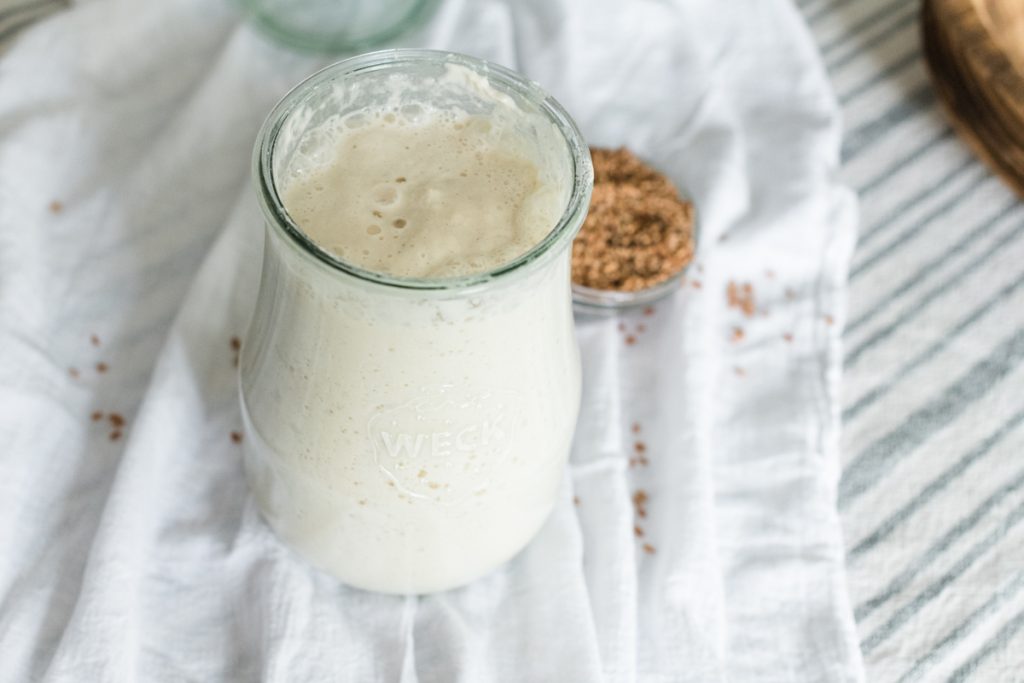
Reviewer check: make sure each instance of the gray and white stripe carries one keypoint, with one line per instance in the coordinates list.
(932, 494)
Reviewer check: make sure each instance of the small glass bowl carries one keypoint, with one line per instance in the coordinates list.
(336, 26)
(592, 301)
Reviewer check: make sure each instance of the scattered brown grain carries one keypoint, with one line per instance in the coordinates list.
(97, 416)
(630, 339)
(788, 337)
(637, 531)
(696, 284)
(790, 293)
(829, 319)
(649, 310)
(638, 233)
(236, 437)
(635, 428)
(649, 549)
(56, 206)
(575, 500)
(640, 503)
(737, 334)
(115, 435)
(94, 340)
(740, 372)
(741, 296)
(640, 447)
(102, 367)
(116, 420)
(73, 372)
(236, 346)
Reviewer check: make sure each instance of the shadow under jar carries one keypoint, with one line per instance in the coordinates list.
(409, 434)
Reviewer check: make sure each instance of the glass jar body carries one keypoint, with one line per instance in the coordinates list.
(409, 435)
(407, 441)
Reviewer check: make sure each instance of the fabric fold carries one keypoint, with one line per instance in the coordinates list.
(132, 551)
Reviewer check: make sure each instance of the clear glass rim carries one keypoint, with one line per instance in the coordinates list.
(590, 299)
(563, 231)
(323, 42)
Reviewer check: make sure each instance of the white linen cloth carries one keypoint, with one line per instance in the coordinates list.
(126, 213)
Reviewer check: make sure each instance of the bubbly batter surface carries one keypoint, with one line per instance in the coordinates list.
(438, 196)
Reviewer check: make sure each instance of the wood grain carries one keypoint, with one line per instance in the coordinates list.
(975, 52)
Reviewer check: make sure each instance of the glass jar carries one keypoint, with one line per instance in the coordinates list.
(409, 435)
(337, 25)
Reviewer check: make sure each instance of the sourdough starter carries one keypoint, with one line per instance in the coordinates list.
(409, 440)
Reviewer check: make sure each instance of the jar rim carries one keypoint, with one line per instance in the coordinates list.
(564, 230)
(272, 23)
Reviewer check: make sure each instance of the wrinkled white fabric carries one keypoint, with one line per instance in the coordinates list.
(142, 558)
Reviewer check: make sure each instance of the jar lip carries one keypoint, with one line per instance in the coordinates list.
(269, 20)
(564, 230)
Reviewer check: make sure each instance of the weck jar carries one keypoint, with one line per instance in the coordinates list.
(409, 434)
